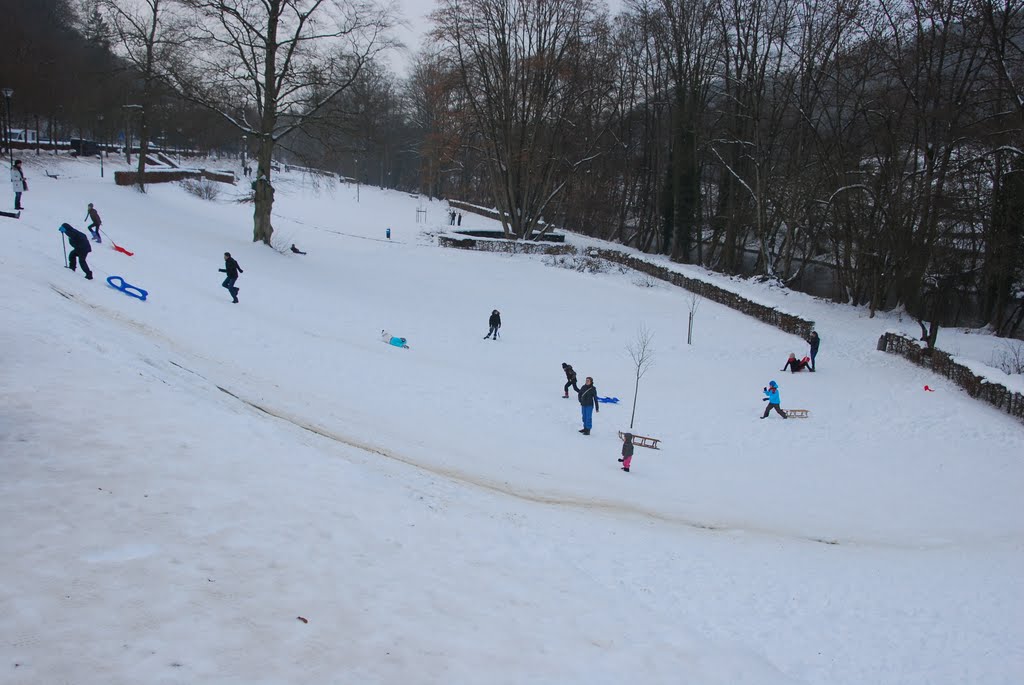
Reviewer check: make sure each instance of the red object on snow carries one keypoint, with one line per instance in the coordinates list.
(121, 249)
(928, 389)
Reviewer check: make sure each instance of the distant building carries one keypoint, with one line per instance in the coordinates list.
(21, 135)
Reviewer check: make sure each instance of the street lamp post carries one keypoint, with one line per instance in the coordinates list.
(129, 110)
(99, 118)
(8, 92)
(245, 147)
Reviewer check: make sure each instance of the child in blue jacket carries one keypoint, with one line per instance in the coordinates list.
(772, 397)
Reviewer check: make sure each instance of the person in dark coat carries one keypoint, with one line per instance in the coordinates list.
(94, 228)
(232, 270)
(80, 249)
(627, 451)
(588, 404)
(570, 379)
(815, 341)
(495, 323)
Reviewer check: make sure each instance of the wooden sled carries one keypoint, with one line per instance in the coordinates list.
(798, 413)
(641, 440)
(12, 215)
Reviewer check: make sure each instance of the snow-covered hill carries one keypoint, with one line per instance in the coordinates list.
(184, 477)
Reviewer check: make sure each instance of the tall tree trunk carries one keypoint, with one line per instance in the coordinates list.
(264, 195)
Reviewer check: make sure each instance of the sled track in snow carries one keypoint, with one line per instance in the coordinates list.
(562, 501)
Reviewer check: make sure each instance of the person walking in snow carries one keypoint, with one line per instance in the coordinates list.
(494, 323)
(815, 341)
(18, 183)
(570, 380)
(94, 228)
(588, 404)
(232, 270)
(80, 249)
(627, 451)
(772, 398)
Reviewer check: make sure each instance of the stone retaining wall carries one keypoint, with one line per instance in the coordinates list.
(769, 315)
(942, 363)
(130, 178)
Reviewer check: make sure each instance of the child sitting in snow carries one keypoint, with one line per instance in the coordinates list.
(794, 364)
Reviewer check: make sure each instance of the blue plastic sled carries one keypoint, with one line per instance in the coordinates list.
(608, 400)
(118, 283)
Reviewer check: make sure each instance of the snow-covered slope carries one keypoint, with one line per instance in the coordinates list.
(186, 476)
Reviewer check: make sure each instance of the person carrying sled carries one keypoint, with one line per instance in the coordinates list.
(793, 364)
(80, 249)
(570, 380)
(627, 451)
(588, 404)
(18, 183)
(94, 228)
(494, 323)
(231, 269)
(772, 398)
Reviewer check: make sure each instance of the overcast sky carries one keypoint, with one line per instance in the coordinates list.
(417, 24)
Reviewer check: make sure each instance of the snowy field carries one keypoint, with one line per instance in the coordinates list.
(185, 477)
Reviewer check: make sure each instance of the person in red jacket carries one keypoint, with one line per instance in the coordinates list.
(793, 364)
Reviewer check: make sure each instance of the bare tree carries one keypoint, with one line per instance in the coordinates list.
(695, 41)
(269, 66)
(147, 35)
(643, 356)
(524, 68)
(694, 302)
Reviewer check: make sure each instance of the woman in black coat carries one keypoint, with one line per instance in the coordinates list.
(494, 323)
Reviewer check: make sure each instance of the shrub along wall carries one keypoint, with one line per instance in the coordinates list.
(941, 363)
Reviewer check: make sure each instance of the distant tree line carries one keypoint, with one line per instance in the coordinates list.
(877, 141)
(881, 138)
